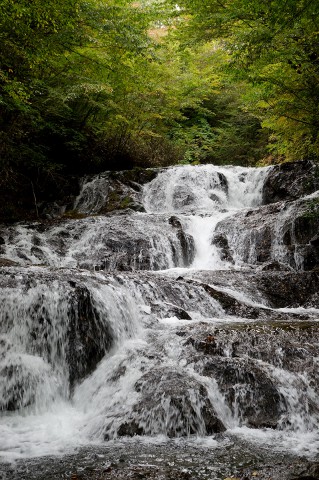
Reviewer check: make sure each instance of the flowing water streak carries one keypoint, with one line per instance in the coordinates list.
(150, 377)
(36, 326)
(202, 197)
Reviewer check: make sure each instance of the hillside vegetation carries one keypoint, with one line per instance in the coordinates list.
(92, 85)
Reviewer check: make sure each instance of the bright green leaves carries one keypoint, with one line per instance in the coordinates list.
(107, 79)
(274, 46)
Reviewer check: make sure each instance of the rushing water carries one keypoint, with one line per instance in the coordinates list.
(109, 328)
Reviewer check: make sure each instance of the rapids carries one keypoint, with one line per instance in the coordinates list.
(193, 319)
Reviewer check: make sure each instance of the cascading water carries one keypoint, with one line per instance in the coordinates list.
(110, 328)
(203, 197)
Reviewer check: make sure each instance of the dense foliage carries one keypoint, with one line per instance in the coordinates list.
(92, 85)
(274, 47)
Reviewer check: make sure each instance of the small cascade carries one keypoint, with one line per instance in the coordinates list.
(280, 233)
(33, 332)
(93, 194)
(124, 242)
(193, 318)
(53, 333)
(203, 197)
(204, 189)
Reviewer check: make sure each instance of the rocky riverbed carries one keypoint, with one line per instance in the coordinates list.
(173, 334)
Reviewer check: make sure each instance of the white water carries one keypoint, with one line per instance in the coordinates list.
(203, 196)
(139, 312)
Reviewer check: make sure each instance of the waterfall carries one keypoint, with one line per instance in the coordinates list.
(164, 322)
(203, 197)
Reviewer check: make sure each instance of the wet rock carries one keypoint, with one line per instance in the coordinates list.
(69, 335)
(306, 228)
(137, 176)
(310, 256)
(289, 181)
(169, 310)
(230, 304)
(88, 336)
(284, 289)
(182, 197)
(123, 254)
(186, 241)
(223, 182)
(5, 262)
(180, 313)
(276, 289)
(279, 232)
(248, 238)
(53, 210)
(315, 241)
(23, 378)
(249, 392)
(123, 242)
(221, 243)
(178, 403)
(130, 429)
(206, 344)
(273, 266)
(113, 191)
(245, 361)
(308, 471)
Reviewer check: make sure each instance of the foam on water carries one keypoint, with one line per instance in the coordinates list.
(203, 196)
(151, 321)
(54, 432)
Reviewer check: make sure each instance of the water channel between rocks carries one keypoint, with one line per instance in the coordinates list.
(176, 341)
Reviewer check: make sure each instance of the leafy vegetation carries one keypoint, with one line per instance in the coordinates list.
(274, 48)
(92, 85)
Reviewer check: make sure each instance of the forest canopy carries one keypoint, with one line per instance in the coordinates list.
(92, 85)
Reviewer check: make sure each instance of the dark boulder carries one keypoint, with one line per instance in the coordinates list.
(290, 181)
(273, 266)
(165, 309)
(292, 289)
(248, 391)
(221, 242)
(179, 403)
(186, 242)
(223, 182)
(88, 338)
(5, 262)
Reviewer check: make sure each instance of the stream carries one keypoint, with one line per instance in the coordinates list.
(176, 340)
